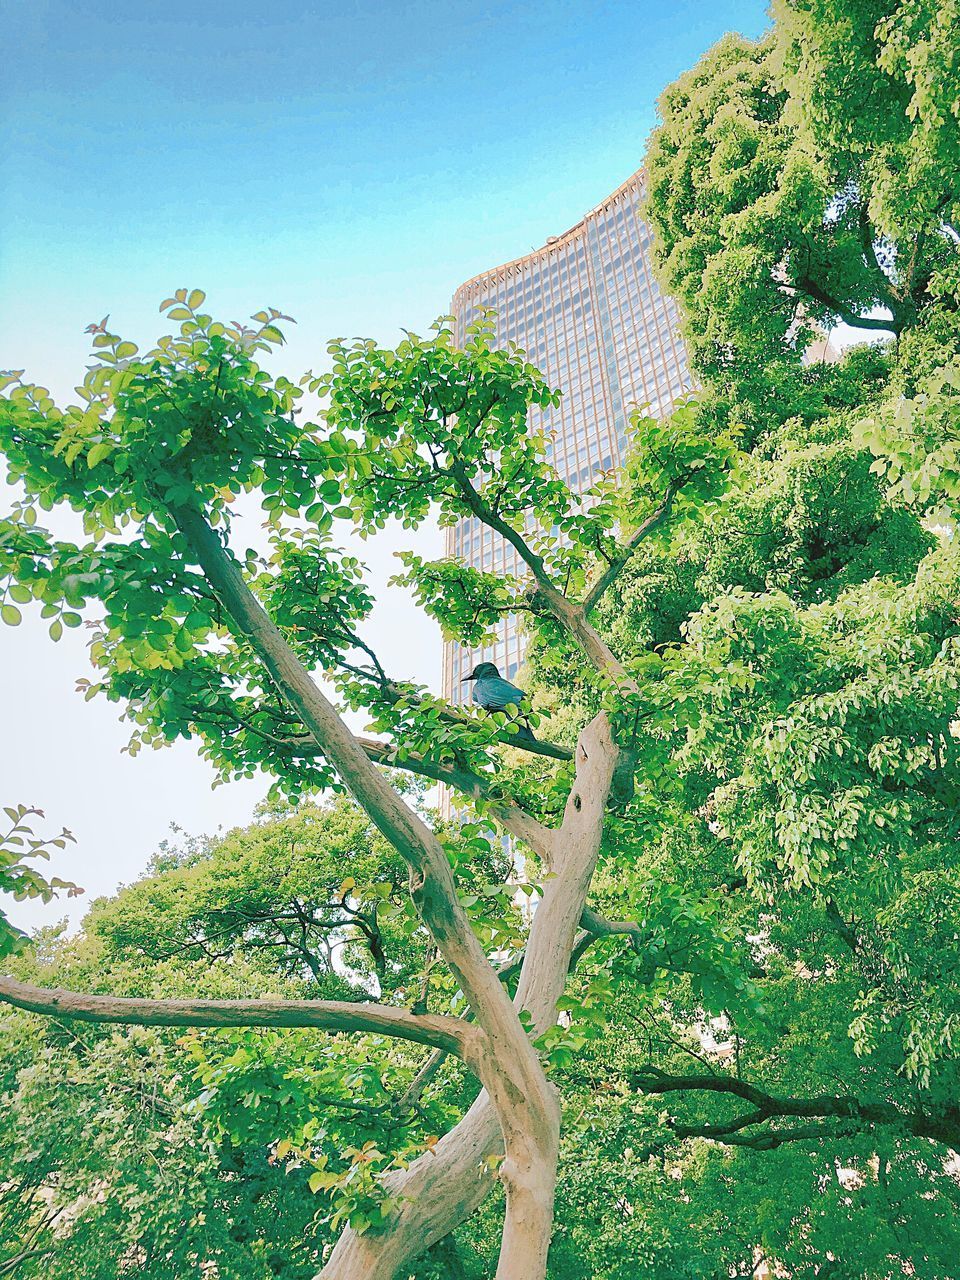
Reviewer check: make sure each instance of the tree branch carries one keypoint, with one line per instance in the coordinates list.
(393, 692)
(507, 1064)
(452, 1035)
(510, 815)
(813, 290)
(471, 784)
(432, 880)
(474, 786)
(572, 617)
(643, 531)
(941, 1126)
(439, 1191)
(582, 944)
(770, 1139)
(305, 745)
(525, 827)
(839, 926)
(486, 515)
(601, 927)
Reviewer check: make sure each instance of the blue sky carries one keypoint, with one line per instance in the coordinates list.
(349, 163)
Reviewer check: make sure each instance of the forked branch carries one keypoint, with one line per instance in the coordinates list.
(640, 534)
(509, 1067)
(438, 1192)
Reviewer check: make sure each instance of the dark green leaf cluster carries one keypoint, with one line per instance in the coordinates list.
(466, 601)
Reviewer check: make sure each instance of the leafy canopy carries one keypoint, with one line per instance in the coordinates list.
(806, 178)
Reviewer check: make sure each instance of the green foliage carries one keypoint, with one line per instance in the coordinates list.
(675, 450)
(788, 861)
(915, 441)
(247, 1149)
(467, 602)
(805, 178)
(277, 891)
(312, 1108)
(193, 418)
(405, 422)
(770, 999)
(871, 87)
(18, 848)
(793, 636)
(105, 1168)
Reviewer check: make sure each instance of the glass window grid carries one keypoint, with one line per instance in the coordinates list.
(547, 304)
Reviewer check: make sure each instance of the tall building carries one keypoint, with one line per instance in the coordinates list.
(588, 313)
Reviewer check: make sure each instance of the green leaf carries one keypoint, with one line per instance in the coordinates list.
(11, 615)
(99, 452)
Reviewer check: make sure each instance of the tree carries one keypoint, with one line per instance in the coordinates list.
(801, 656)
(277, 888)
(131, 1148)
(722, 657)
(198, 641)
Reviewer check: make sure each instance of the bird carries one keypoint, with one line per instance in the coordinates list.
(493, 693)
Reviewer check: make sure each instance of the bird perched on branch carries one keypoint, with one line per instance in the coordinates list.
(493, 693)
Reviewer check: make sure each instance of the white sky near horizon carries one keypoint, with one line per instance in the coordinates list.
(350, 165)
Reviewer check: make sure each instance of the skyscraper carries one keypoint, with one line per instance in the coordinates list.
(588, 312)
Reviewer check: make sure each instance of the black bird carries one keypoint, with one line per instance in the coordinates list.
(493, 693)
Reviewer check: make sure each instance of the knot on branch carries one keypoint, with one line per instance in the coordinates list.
(417, 879)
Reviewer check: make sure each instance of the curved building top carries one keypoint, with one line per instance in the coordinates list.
(556, 243)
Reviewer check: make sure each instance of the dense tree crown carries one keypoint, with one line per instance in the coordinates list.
(808, 178)
(718, 1021)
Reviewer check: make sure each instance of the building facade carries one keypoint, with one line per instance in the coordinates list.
(589, 314)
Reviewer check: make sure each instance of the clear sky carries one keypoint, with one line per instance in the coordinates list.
(349, 163)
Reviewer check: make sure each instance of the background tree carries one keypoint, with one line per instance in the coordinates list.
(808, 178)
(279, 887)
(142, 1151)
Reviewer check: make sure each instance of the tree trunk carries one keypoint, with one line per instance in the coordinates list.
(501, 1055)
(442, 1189)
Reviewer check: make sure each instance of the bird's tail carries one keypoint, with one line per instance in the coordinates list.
(524, 730)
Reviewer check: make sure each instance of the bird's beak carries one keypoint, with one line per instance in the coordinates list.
(466, 678)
